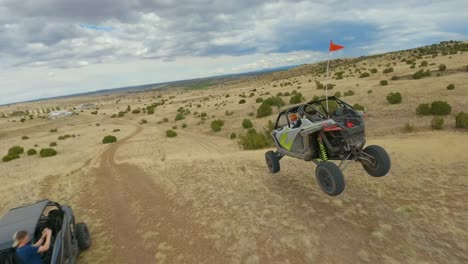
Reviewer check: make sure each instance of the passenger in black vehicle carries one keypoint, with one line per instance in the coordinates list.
(30, 253)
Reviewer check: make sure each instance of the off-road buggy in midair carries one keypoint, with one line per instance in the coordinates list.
(68, 238)
(326, 130)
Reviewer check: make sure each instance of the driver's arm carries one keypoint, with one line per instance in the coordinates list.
(45, 247)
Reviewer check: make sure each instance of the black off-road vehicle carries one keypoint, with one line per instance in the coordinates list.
(67, 239)
(321, 134)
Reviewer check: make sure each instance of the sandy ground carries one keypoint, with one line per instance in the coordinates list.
(199, 198)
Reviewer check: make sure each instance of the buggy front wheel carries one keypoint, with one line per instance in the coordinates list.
(330, 178)
(272, 161)
(381, 161)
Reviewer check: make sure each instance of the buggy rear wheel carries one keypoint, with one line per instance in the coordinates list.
(272, 161)
(330, 178)
(82, 236)
(381, 161)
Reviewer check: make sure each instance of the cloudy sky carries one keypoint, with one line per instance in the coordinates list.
(57, 47)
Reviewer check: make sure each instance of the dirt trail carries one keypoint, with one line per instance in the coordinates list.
(144, 224)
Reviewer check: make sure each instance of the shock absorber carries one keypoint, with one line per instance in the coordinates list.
(323, 151)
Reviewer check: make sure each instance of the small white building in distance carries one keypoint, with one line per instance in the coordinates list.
(59, 114)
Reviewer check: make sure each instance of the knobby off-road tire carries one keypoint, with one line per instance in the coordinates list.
(330, 178)
(82, 236)
(382, 160)
(272, 161)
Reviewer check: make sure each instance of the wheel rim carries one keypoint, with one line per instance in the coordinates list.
(269, 163)
(326, 181)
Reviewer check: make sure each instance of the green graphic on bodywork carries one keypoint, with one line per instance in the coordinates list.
(284, 143)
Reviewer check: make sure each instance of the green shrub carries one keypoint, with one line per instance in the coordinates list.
(135, 111)
(150, 111)
(349, 93)
(47, 152)
(296, 99)
(259, 100)
(143, 121)
(171, 133)
(440, 108)
(279, 94)
(394, 98)
(461, 120)
(16, 150)
(184, 125)
(174, 127)
(388, 70)
(319, 85)
(233, 135)
(242, 101)
(442, 67)
(337, 94)
(358, 107)
(254, 140)
(421, 73)
(437, 122)
(364, 75)
(217, 125)
(32, 152)
(383, 82)
(246, 123)
(10, 157)
(274, 101)
(113, 115)
(53, 130)
(121, 114)
(369, 91)
(24, 137)
(424, 63)
(179, 116)
(373, 70)
(394, 78)
(451, 86)
(109, 139)
(408, 127)
(116, 130)
(423, 109)
(264, 110)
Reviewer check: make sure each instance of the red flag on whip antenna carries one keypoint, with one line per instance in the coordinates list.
(335, 47)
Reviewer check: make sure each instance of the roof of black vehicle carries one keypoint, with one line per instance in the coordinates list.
(290, 109)
(20, 218)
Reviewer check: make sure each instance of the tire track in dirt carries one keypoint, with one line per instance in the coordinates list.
(145, 225)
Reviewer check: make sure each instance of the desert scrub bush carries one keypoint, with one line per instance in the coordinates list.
(135, 111)
(423, 64)
(408, 127)
(264, 110)
(274, 101)
(349, 93)
(116, 130)
(184, 125)
(63, 137)
(394, 78)
(171, 133)
(388, 70)
(383, 82)
(227, 113)
(440, 108)
(364, 75)
(242, 101)
(451, 86)
(217, 125)
(53, 130)
(10, 157)
(150, 111)
(423, 109)
(279, 94)
(259, 100)
(254, 140)
(246, 123)
(319, 85)
(296, 99)
(394, 98)
(442, 67)
(16, 150)
(121, 114)
(113, 116)
(179, 116)
(31, 152)
(437, 122)
(174, 127)
(47, 152)
(373, 70)
(421, 73)
(24, 137)
(337, 94)
(143, 121)
(369, 91)
(461, 120)
(233, 135)
(358, 107)
(109, 139)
